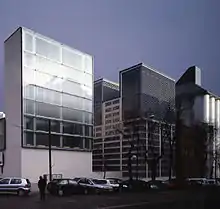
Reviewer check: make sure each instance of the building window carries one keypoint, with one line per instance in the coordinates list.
(47, 110)
(42, 139)
(72, 142)
(72, 115)
(48, 49)
(88, 118)
(116, 120)
(28, 123)
(108, 115)
(108, 104)
(97, 140)
(115, 114)
(29, 138)
(72, 128)
(88, 143)
(107, 133)
(114, 144)
(55, 126)
(98, 129)
(115, 101)
(72, 58)
(42, 124)
(88, 131)
(55, 140)
(116, 108)
(108, 127)
(98, 134)
(108, 121)
(29, 106)
(28, 42)
(108, 109)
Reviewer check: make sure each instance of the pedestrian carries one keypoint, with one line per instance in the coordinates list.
(42, 186)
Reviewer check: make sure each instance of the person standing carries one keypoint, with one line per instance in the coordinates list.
(42, 186)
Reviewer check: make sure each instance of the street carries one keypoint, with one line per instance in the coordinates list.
(163, 200)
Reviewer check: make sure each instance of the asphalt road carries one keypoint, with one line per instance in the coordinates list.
(163, 200)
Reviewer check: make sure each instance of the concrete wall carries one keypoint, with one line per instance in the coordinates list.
(12, 104)
(68, 163)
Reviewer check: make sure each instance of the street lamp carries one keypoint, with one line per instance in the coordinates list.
(133, 157)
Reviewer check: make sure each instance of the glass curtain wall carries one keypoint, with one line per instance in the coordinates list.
(57, 86)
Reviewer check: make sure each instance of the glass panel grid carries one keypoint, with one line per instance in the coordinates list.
(57, 84)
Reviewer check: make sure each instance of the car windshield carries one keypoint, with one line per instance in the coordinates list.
(97, 181)
(112, 181)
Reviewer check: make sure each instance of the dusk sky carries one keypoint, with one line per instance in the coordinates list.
(168, 35)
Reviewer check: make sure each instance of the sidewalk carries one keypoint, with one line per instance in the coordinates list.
(34, 189)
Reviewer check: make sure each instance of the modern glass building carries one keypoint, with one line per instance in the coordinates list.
(148, 102)
(46, 80)
(145, 91)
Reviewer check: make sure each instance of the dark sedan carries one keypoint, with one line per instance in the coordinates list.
(63, 187)
(134, 186)
(156, 185)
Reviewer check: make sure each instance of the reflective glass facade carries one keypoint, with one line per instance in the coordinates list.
(145, 92)
(57, 85)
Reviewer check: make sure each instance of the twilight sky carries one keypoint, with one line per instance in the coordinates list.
(168, 35)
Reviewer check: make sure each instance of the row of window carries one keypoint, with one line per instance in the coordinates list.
(107, 151)
(57, 112)
(111, 109)
(98, 134)
(55, 77)
(108, 168)
(49, 96)
(42, 139)
(107, 162)
(97, 140)
(112, 102)
(115, 120)
(106, 156)
(55, 51)
(112, 114)
(41, 124)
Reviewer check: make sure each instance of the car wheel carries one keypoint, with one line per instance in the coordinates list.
(60, 192)
(20, 192)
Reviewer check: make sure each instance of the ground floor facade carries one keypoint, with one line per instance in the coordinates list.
(31, 163)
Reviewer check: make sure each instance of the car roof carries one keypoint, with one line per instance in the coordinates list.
(13, 178)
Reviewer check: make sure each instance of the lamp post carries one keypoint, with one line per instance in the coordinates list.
(49, 151)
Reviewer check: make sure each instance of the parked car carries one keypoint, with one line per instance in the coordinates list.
(122, 185)
(96, 186)
(134, 185)
(117, 180)
(196, 182)
(156, 185)
(63, 187)
(114, 184)
(19, 186)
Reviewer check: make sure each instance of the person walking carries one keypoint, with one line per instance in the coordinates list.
(42, 186)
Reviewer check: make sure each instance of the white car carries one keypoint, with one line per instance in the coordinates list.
(20, 186)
